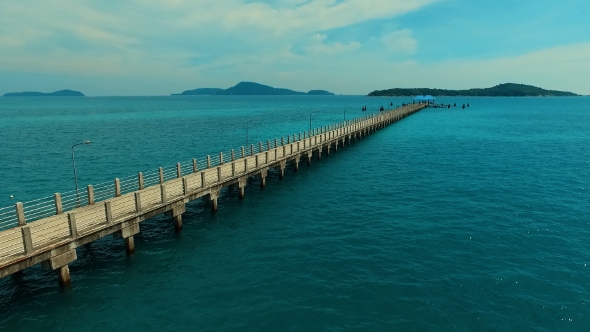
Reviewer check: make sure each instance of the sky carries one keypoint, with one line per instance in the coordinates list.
(155, 47)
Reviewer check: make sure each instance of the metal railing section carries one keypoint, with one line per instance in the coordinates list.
(244, 159)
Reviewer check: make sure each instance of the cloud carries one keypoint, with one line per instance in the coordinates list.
(400, 42)
(318, 46)
(159, 47)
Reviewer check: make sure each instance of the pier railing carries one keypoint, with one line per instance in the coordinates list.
(22, 232)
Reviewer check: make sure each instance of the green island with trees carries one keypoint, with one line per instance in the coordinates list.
(502, 90)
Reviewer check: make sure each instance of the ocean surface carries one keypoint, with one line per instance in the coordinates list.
(474, 219)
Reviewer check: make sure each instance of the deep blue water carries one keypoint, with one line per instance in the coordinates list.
(450, 220)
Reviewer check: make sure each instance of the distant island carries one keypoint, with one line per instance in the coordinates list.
(250, 89)
(502, 90)
(61, 93)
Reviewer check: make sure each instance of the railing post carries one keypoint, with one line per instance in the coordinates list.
(243, 152)
(267, 144)
(266, 157)
(220, 158)
(27, 240)
(195, 165)
(58, 206)
(233, 169)
(90, 191)
(257, 163)
(203, 179)
(163, 195)
(208, 161)
(178, 171)
(161, 172)
(288, 139)
(245, 165)
(108, 210)
(185, 185)
(73, 226)
(282, 140)
(140, 180)
(260, 147)
(117, 187)
(251, 149)
(276, 142)
(218, 173)
(233, 156)
(20, 214)
(137, 201)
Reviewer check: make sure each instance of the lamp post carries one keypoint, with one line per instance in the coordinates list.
(247, 123)
(310, 119)
(75, 174)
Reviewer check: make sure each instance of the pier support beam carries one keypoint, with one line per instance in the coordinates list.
(320, 153)
(212, 197)
(176, 214)
(309, 156)
(127, 234)
(263, 174)
(296, 163)
(240, 185)
(281, 169)
(60, 263)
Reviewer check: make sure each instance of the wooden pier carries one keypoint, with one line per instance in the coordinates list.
(35, 233)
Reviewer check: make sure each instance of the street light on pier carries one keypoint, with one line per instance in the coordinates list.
(75, 174)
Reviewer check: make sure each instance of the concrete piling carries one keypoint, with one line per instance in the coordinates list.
(263, 174)
(212, 197)
(127, 234)
(241, 184)
(60, 263)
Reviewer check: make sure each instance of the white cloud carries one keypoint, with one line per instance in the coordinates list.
(156, 46)
(400, 42)
(318, 46)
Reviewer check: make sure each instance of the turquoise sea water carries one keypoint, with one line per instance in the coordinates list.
(450, 220)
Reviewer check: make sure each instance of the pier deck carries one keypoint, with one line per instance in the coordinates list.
(52, 240)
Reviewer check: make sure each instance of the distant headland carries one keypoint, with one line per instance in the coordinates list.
(250, 89)
(61, 93)
(502, 90)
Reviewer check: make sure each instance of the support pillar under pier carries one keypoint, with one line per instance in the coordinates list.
(63, 276)
(281, 169)
(241, 185)
(127, 234)
(176, 214)
(263, 174)
(212, 197)
(296, 163)
(130, 245)
(59, 263)
(178, 223)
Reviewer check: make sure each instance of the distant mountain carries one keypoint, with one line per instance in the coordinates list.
(250, 89)
(61, 93)
(200, 92)
(320, 93)
(502, 90)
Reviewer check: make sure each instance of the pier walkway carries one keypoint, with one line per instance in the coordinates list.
(49, 230)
